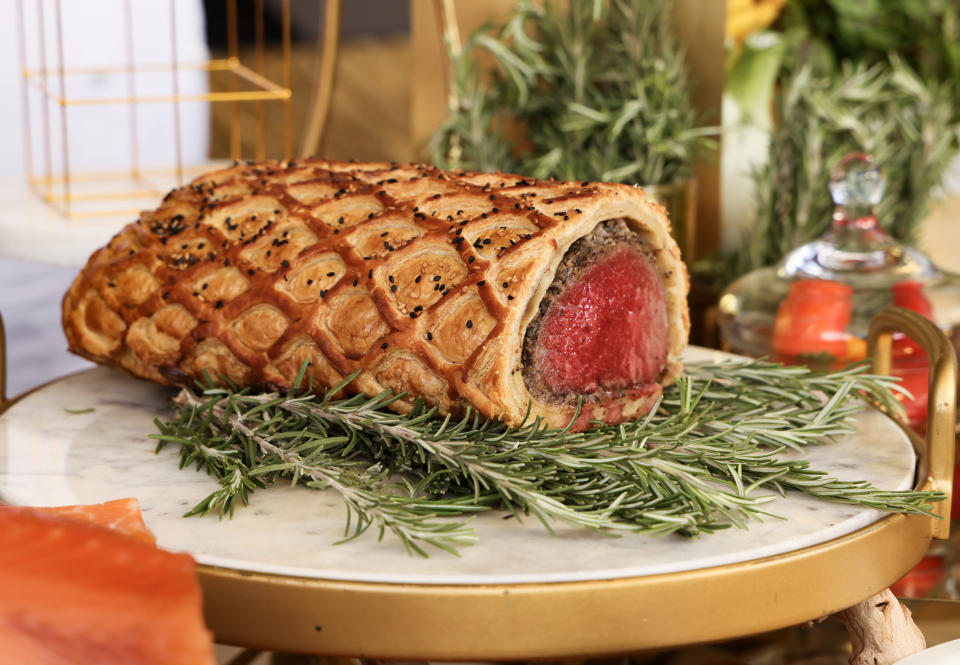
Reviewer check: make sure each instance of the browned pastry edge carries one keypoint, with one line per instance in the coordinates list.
(248, 271)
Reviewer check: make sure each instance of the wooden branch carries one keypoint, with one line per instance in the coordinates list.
(881, 631)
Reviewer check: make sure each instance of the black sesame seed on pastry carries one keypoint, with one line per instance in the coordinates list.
(486, 289)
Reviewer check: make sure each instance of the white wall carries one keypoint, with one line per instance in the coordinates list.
(94, 35)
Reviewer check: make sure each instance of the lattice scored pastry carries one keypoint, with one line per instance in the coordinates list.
(463, 288)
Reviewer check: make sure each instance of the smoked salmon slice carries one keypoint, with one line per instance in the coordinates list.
(72, 592)
(120, 515)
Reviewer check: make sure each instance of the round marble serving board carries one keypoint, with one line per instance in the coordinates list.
(51, 457)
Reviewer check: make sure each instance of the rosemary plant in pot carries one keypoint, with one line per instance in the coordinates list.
(580, 90)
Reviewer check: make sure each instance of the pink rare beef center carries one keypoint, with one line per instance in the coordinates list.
(609, 329)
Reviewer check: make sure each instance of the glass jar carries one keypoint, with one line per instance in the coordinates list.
(815, 306)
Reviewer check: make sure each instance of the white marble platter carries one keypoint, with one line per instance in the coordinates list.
(50, 457)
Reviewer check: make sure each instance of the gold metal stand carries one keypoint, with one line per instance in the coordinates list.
(882, 631)
(326, 73)
(937, 458)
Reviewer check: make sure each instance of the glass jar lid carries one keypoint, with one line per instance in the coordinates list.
(815, 306)
(855, 250)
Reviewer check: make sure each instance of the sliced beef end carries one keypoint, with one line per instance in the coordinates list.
(602, 329)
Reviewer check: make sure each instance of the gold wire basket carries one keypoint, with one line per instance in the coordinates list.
(79, 194)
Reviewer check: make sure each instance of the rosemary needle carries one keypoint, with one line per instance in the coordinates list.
(708, 457)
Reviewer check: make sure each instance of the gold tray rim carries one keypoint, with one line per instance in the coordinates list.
(524, 621)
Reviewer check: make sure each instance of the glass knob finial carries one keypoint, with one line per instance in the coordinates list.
(857, 181)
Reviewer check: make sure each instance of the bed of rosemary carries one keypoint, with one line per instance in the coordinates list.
(709, 456)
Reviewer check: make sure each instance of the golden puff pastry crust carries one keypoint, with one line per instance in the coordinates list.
(423, 279)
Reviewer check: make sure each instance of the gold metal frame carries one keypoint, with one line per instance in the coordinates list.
(59, 187)
(572, 619)
(327, 71)
(562, 620)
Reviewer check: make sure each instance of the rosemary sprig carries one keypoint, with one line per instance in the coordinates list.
(708, 457)
(243, 457)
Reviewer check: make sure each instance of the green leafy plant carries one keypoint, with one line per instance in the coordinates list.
(581, 90)
(924, 33)
(884, 109)
(709, 456)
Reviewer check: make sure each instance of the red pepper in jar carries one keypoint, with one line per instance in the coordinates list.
(910, 295)
(812, 321)
(909, 362)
